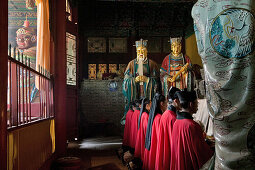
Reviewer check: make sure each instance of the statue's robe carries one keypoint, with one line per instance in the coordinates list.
(170, 66)
(132, 90)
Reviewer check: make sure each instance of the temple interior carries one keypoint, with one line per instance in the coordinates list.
(75, 68)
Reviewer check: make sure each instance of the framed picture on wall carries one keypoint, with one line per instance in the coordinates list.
(117, 45)
(96, 45)
(102, 68)
(112, 68)
(70, 59)
(92, 71)
(122, 67)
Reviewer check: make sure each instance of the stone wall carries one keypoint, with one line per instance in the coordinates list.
(101, 108)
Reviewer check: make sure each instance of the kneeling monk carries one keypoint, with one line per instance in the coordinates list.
(189, 151)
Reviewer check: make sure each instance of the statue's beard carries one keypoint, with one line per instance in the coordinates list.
(143, 57)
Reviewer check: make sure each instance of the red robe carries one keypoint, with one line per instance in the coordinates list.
(150, 155)
(164, 148)
(140, 140)
(126, 137)
(134, 128)
(189, 151)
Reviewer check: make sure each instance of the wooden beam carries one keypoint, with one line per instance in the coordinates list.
(3, 82)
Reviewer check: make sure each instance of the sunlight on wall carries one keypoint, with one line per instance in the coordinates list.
(191, 50)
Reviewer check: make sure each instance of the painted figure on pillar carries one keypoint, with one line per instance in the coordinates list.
(173, 71)
(26, 41)
(225, 37)
(141, 78)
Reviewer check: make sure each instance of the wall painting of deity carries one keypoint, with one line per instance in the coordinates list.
(96, 45)
(117, 45)
(92, 72)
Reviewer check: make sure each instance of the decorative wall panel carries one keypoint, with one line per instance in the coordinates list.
(96, 45)
(70, 59)
(112, 68)
(122, 67)
(117, 45)
(92, 71)
(102, 68)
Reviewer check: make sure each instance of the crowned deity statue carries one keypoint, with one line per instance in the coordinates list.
(141, 78)
(26, 40)
(174, 70)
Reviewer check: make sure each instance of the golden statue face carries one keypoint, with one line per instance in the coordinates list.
(176, 48)
(141, 53)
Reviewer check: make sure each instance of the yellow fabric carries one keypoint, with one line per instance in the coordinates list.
(29, 147)
(43, 36)
(191, 50)
(12, 146)
(52, 134)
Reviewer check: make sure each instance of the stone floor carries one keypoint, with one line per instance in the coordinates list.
(97, 153)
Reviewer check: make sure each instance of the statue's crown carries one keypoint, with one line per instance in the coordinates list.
(141, 43)
(176, 40)
(26, 29)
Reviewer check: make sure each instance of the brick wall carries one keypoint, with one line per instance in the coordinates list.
(101, 109)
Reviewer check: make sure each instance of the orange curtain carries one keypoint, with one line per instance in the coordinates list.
(43, 35)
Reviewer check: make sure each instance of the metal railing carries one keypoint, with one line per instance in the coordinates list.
(30, 92)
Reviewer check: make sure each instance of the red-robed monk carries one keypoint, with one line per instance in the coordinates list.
(167, 120)
(142, 126)
(126, 137)
(134, 124)
(158, 106)
(189, 151)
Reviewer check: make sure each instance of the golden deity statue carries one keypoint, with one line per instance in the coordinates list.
(141, 78)
(174, 68)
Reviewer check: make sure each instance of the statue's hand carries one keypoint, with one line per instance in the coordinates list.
(141, 79)
(144, 78)
(137, 79)
(170, 79)
(185, 70)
